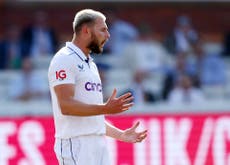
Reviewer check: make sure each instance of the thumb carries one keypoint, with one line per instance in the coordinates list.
(113, 94)
(135, 125)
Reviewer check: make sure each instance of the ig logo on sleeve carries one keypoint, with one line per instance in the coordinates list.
(60, 75)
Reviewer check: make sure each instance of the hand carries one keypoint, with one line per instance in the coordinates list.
(131, 136)
(120, 104)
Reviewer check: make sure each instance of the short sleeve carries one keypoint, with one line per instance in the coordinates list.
(62, 71)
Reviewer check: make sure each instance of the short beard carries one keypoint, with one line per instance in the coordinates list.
(94, 46)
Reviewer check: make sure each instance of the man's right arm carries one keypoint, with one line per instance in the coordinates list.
(70, 106)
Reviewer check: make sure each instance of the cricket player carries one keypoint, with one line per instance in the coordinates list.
(77, 99)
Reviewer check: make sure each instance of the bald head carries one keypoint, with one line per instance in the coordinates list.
(86, 16)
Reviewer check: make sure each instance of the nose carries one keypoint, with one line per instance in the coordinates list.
(108, 35)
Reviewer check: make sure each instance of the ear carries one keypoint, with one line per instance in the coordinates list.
(86, 30)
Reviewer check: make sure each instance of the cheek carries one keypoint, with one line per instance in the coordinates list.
(102, 35)
(101, 38)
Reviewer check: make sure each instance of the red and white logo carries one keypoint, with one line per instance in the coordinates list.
(60, 75)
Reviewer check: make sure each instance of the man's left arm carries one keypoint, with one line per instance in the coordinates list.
(128, 135)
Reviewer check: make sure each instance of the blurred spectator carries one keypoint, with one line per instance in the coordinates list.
(11, 48)
(39, 39)
(28, 84)
(141, 95)
(182, 37)
(185, 92)
(145, 53)
(210, 68)
(181, 67)
(121, 32)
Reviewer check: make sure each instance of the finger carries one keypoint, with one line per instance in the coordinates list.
(127, 105)
(142, 132)
(127, 100)
(125, 109)
(138, 140)
(124, 96)
(143, 137)
(114, 94)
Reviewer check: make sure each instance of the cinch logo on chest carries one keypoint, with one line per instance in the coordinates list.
(91, 86)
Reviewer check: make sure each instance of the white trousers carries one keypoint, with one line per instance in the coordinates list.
(82, 150)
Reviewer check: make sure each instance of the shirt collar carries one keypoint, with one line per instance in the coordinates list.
(78, 51)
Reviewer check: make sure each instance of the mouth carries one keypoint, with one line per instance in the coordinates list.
(103, 43)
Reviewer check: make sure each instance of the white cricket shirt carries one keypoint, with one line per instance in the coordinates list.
(70, 66)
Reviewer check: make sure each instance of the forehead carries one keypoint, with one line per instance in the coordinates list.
(100, 23)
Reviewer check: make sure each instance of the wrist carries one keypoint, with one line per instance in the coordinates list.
(102, 109)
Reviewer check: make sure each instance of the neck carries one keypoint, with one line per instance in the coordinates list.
(81, 45)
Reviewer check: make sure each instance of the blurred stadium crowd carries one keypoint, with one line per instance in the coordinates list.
(180, 67)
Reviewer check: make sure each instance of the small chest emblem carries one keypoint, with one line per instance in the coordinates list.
(80, 68)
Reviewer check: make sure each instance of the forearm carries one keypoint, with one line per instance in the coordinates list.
(113, 131)
(77, 108)
(70, 106)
